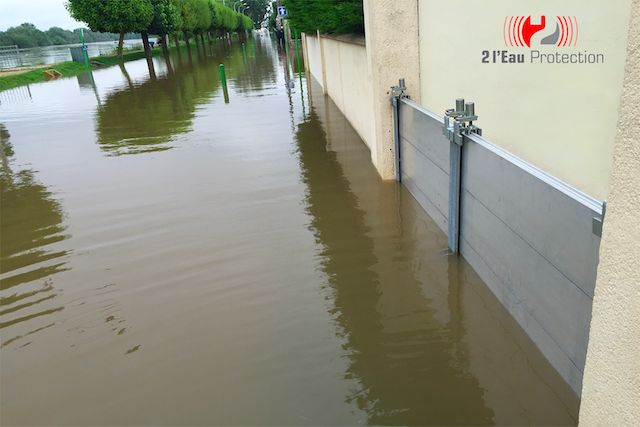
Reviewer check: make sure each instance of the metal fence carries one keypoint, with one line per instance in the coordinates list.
(15, 95)
(10, 57)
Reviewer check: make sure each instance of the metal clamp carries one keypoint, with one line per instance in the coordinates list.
(459, 122)
(398, 91)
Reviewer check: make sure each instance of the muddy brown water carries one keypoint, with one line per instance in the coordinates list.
(172, 259)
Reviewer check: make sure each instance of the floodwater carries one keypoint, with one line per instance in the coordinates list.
(169, 258)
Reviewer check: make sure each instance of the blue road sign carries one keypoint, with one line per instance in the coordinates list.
(282, 11)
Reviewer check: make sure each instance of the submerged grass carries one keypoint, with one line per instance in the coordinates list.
(67, 69)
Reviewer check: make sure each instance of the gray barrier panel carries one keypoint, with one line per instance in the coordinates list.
(527, 234)
(425, 161)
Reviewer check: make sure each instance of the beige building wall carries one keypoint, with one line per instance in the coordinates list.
(313, 57)
(348, 79)
(358, 74)
(560, 117)
(391, 31)
(611, 385)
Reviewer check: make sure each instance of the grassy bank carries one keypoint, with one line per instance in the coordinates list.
(67, 69)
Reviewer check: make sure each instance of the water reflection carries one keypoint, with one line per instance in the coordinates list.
(406, 365)
(30, 225)
(145, 118)
(149, 116)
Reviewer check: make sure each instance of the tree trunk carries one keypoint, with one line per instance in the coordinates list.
(126, 75)
(120, 43)
(167, 60)
(152, 70)
(165, 43)
(175, 38)
(145, 43)
(202, 39)
(195, 37)
(186, 40)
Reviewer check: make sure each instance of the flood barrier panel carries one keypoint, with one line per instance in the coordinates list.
(532, 238)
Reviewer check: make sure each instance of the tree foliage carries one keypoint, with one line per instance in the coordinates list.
(224, 18)
(113, 16)
(328, 16)
(27, 35)
(107, 18)
(166, 19)
(257, 10)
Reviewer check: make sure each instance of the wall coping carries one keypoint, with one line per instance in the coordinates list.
(357, 39)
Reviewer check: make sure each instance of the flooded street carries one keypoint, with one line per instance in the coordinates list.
(172, 259)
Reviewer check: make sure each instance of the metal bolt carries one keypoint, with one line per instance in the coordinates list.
(469, 109)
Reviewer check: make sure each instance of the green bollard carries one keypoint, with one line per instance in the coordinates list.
(223, 79)
(225, 93)
(295, 34)
(223, 76)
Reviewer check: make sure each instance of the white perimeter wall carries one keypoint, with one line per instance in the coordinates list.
(560, 117)
(348, 81)
(314, 59)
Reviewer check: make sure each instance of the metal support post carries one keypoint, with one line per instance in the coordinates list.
(458, 123)
(397, 92)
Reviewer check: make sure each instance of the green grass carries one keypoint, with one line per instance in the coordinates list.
(108, 60)
(68, 69)
(35, 76)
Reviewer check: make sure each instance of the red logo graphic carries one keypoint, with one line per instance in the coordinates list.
(518, 30)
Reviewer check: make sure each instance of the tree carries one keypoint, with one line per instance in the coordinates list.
(166, 19)
(203, 18)
(189, 19)
(58, 35)
(25, 35)
(256, 10)
(117, 16)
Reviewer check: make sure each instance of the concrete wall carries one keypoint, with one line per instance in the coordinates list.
(560, 117)
(313, 57)
(347, 77)
(391, 29)
(611, 392)
(358, 78)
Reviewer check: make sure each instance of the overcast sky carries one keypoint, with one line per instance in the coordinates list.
(42, 13)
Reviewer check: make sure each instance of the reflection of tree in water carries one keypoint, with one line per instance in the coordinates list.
(146, 117)
(407, 369)
(31, 221)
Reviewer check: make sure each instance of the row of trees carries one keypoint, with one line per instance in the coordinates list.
(159, 17)
(328, 16)
(27, 35)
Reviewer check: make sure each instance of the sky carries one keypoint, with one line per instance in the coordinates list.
(42, 13)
